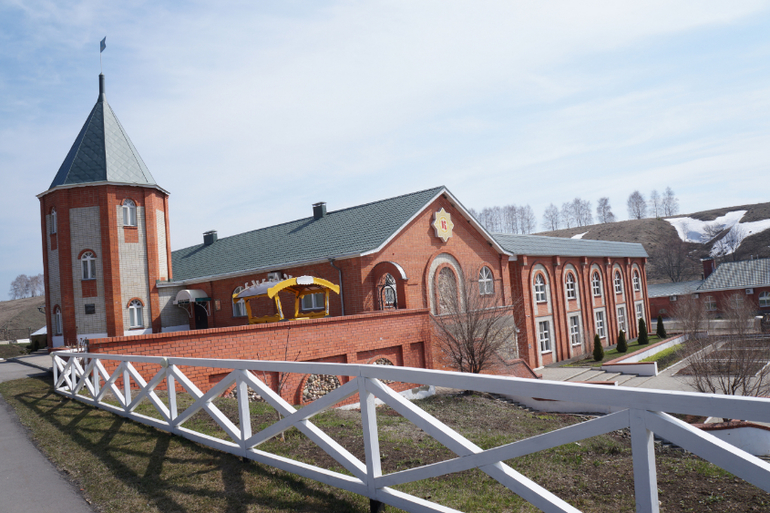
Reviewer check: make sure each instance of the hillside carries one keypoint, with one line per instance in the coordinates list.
(659, 235)
(19, 315)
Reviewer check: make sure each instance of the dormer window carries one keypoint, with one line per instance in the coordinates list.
(88, 264)
(129, 213)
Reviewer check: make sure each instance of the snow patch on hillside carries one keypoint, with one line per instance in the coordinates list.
(578, 236)
(695, 230)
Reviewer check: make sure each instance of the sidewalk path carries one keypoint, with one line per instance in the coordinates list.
(28, 481)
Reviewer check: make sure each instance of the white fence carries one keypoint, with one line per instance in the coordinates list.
(83, 376)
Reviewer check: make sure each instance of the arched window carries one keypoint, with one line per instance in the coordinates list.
(486, 282)
(57, 328)
(618, 282)
(88, 264)
(540, 289)
(570, 286)
(239, 308)
(135, 319)
(637, 282)
(447, 291)
(53, 221)
(388, 292)
(764, 299)
(596, 284)
(129, 213)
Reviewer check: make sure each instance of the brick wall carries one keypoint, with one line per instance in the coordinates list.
(404, 337)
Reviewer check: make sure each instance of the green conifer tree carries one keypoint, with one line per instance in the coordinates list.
(598, 349)
(643, 338)
(622, 344)
(660, 330)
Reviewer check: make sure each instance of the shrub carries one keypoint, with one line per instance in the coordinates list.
(643, 338)
(660, 330)
(622, 344)
(598, 349)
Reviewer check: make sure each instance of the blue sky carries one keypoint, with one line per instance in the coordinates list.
(249, 112)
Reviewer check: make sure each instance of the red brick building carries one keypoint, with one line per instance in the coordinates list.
(111, 275)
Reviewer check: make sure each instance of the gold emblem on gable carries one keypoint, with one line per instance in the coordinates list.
(442, 222)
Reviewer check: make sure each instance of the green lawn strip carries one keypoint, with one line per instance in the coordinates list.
(124, 466)
(611, 354)
(666, 358)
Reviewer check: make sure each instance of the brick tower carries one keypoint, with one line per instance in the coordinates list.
(105, 231)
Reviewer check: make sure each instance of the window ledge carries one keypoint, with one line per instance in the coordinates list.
(547, 352)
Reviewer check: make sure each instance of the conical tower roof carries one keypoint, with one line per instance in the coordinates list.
(103, 152)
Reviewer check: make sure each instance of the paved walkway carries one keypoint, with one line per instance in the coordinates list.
(28, 481)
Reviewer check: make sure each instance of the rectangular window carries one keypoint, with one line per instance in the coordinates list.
(89, 269)
(90, 309)
(621, 318)
(571, 289)
(543, 330)
(574, 330)
(639, 312)
(313, 301)
(600, 324)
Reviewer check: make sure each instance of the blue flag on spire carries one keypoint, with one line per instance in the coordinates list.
(103, 44)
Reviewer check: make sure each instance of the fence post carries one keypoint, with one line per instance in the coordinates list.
(645, 477)
(371, 440)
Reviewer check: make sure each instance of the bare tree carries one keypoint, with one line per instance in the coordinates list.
(527, 220)
(37, 285)
(670, 203)
(637, 206)
(655, 203)
(20, 287)
(474, 331)
(604, 211)
(582, 210)
(735, 363)
(672, 260)
(511, 219)
(727, 247)
(567, 215)
(551, 217)
(711, 231)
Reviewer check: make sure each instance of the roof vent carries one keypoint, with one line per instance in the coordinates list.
(209, 237)
(319, 210)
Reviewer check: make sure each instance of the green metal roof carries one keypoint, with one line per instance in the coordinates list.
(102, 152)
(739, 275)
(538, 245)
(340, 233)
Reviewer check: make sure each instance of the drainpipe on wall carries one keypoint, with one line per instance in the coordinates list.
(339, 273)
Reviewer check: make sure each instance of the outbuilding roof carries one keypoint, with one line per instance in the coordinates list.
(338, 234)
(102, 152)
(539, 245)
(739, 275)
(681, 288)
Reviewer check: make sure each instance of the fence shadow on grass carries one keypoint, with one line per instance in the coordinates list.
(160, 469)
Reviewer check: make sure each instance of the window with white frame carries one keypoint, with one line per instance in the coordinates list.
(570, 286)
(637, 282)
(129, 213)
(239, 307)
(135, 319)
(57, 327)
(621, 318)
(88, 265)
(596, 284)
(764, 299)
(574, 330)
(599, 315)
(618, 282)
(639, 312)
(544, 335)
(539, 289)
(710, 302)
(486, 281)
(735, 301)
(313, 301)
(53, 221)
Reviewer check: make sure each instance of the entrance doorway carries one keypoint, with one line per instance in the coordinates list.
(201, 317)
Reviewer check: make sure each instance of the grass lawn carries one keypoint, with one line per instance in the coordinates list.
(666, 358)
(611, 354)
(123, 466)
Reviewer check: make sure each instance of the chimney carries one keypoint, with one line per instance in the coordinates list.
(209, 237)
(319, 210)
(708, 267)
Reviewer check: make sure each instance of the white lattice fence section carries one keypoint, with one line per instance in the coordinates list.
(84, 377)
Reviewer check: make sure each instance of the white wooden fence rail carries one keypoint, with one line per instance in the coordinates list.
(82, 376)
